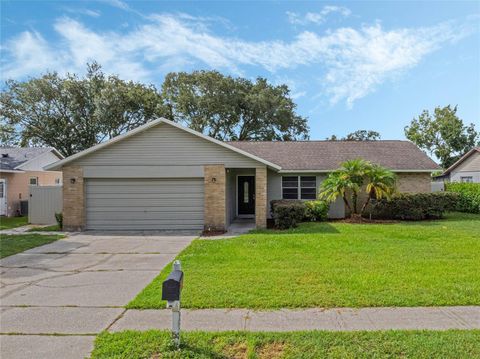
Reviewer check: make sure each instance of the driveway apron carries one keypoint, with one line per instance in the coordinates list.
(55, 298)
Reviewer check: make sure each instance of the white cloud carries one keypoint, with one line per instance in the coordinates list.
(348, 63)
(317, 17)
(118, 4)
(88, 12)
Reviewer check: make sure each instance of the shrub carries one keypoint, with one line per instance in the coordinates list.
(415, 206)
(468, 196)
(288, 213)
(59, 218)
(316, 210)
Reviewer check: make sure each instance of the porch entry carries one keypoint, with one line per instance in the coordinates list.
(246, 196)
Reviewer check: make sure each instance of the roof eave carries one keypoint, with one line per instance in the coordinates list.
(328, 171)
(461, 160)
(11, 171)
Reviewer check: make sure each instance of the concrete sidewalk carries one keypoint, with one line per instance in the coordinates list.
(338, 319)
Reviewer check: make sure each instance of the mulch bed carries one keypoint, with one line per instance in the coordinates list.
(207, 233)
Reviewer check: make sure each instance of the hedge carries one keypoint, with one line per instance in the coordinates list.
(288, 213)
(468, 196)
(415, 206)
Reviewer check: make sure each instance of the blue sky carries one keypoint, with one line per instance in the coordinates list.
(350, 65)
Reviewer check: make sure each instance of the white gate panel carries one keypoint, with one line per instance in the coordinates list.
(43, 203)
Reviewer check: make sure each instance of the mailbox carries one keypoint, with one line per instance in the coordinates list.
(172, 286)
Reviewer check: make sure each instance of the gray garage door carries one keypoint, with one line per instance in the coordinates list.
(145, 204)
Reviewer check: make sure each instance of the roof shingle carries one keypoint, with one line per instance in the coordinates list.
(11, 157)
(327, 155)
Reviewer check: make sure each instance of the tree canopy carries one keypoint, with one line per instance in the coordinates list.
(228, 108)
(443, 134)
(359, 135)
(72, 113)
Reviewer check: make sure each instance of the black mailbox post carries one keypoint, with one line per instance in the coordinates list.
(172, 286)
(171, 290)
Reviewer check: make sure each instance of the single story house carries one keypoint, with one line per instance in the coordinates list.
(466, 169)
(162, 176)
(21, 167)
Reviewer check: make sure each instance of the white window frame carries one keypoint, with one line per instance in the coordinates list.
(299, 187)
(58, 181)
(466, 179)
(30, 181)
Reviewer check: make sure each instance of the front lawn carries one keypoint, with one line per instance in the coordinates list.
(15, 243)
(12, 222)
(333, 265)
(314, 344)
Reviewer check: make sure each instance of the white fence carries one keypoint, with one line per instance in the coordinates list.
(43, 203)
(438, 186)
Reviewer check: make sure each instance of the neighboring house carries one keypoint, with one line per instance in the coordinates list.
(164, 176)
(21, 168)
(466, 169)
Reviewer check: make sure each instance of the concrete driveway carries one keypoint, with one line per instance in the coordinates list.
(76, 287)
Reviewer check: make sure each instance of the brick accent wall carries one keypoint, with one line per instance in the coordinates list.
(73, 199)
(414, 182)
(261, 197)
(215, 188)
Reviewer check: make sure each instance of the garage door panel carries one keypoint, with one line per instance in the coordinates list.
(114, 215)
(153, 196)
(145, 204)
(143, 189)
(141, 209)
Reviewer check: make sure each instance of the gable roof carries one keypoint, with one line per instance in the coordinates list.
(12, 158)
(325, 156)
(461, 160)
(59, 164)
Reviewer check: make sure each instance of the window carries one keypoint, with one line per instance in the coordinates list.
(468, 179)
(33, 181)
(292, 184)
(308, 187)
(57, 180)
(290, 187)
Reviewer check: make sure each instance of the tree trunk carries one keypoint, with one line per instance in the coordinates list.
(364, 207)
(354, 200)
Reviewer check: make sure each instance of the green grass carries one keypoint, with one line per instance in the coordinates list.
(314, 344)
(52, 228)
(12, 222)
(433, 263)
(15, 243)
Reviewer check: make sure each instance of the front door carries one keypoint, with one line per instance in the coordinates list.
(3, 197)
(246, 195)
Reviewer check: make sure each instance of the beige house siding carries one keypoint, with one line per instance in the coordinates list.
(274, 191)
(468, 168)
(18, 186)
(163, 145)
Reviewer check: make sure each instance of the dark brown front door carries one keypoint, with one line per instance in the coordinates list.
(246, 195)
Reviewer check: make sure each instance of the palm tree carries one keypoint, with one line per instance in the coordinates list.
(351, 177)
(380, 184)
(335, 185)
(354, 171)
